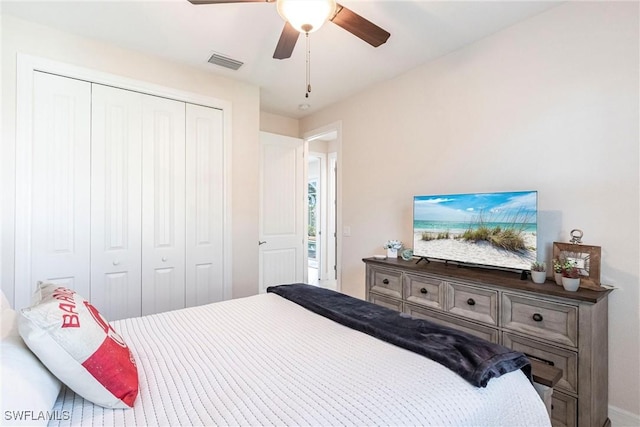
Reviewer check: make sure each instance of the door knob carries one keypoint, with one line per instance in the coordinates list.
(261, 242)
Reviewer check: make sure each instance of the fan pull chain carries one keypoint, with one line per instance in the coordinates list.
(306, 95)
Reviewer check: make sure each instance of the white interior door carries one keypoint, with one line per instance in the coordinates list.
(116, 191)
(60, 186)
(282, 257)
(316, 216)
(332, 229)
(163, 204)
(205, 195)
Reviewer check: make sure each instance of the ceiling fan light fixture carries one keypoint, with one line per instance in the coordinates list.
(306, 16)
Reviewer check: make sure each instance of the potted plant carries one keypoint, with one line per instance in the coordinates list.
(557, 271)
(570, 276)
(538, 272)
(392, 247)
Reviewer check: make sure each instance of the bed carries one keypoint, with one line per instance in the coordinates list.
(265, 360)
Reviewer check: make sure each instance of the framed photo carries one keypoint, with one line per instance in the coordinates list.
(586, 258)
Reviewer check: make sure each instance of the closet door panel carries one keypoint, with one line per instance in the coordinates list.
(60, 209)
(205, 205)
(163, 205)
(116, 182)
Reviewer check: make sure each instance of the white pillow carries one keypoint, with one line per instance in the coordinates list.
(29, 390)
(4, 301)
(9, 326)
(79, 346)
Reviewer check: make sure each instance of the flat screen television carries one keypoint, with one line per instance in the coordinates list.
(496, 230)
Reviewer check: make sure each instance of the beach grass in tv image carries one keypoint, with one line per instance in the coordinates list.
(486, 229)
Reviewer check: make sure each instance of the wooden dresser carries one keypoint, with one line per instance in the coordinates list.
(567, 330)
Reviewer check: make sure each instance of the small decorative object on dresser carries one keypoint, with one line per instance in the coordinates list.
(557, 271)
(538, 272)
(407, 254)
(586, 259)
(392, 247)
(570, 276)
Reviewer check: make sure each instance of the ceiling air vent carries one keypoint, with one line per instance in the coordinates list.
(223, 61)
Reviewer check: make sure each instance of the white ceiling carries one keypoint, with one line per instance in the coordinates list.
(341, 64)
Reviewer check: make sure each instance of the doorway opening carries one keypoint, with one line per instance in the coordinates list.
(322, 242)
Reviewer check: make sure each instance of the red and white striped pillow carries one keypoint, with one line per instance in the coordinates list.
(77, 344)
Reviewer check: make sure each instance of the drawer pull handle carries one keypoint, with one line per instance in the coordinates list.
(385, 281)
(423, 290)
(471, 301)
(537, 317)
(545, 361)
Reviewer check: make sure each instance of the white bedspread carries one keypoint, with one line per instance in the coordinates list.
(264, 360)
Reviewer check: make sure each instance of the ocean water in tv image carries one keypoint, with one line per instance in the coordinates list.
(461, 227)
(492, 229)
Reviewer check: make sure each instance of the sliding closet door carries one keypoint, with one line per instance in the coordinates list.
(119, 195)
(60, 191)
(116, 192)
(163, 204)
(205, 205)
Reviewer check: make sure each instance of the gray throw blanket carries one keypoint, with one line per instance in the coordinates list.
(473, 358)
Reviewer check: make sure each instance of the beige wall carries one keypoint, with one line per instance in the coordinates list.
(550, 104)
(280, 125)
(24, 37)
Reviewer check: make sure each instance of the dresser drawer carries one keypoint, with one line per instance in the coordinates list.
(480, 331)
(560, 358)
(563, 410)
(543, 319)
(424, 290)
(473, 303)
(385, 301)
(385, 282)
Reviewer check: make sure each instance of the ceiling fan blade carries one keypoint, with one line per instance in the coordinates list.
(228, 1)
(359, 26)
(287, 42)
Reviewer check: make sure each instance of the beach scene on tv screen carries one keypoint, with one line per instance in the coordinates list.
(491, 229)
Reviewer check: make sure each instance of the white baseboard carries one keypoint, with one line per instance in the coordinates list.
(621, 418)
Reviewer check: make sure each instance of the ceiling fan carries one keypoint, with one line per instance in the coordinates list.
(306, 16)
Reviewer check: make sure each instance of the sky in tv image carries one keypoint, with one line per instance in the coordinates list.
(470, 209)
(495, 229)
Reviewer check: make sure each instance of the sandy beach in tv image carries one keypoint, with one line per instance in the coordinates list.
(494, 229)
